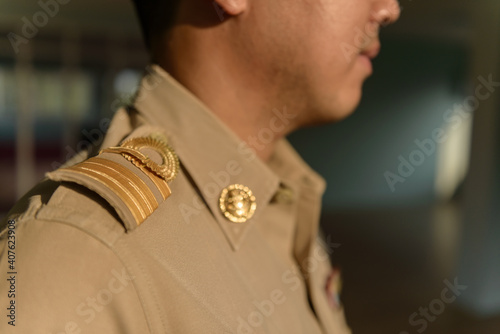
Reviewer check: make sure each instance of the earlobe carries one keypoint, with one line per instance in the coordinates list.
(232, 7)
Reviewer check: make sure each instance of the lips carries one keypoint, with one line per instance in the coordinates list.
(372, 51)
(368, 54)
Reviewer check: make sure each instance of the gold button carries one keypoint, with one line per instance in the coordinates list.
(237, 203)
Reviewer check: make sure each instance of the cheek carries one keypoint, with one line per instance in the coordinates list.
(330, 45)
(331, 64)
(337, 31)
(334, 50)
(334, 82)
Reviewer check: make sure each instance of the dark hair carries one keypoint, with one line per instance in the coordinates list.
(155, 16)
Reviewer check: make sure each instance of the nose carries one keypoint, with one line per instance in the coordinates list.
(386, 12)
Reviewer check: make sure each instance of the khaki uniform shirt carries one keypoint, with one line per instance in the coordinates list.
(78, 258)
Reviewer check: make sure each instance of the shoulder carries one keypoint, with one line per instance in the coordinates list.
(131, 177)
(110, 193)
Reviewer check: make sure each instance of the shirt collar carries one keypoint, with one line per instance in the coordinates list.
(294, 171)
(213, 155)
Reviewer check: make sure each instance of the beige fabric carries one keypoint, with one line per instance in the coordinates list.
(186, 268)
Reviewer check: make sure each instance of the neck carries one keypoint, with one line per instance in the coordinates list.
(234, 92)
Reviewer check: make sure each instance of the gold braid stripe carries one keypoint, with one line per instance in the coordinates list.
(129, 178)
(117, 188)
(139, 198)
(160, 182)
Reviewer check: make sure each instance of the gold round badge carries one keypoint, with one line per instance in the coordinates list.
(237, 203)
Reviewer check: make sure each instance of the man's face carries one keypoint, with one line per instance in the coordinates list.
(317, 51)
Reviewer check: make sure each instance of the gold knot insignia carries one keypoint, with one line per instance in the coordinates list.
(152, 153)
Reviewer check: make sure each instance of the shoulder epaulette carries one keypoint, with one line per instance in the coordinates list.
(133, 177)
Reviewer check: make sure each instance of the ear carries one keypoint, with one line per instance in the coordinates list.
(233, 7)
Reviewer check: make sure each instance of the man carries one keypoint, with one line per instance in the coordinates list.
(196, 215)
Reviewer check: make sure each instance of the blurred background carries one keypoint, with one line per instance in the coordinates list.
(413, 177)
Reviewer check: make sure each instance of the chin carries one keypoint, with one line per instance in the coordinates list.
(332, 115)
(331, 103)
(342, 107)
